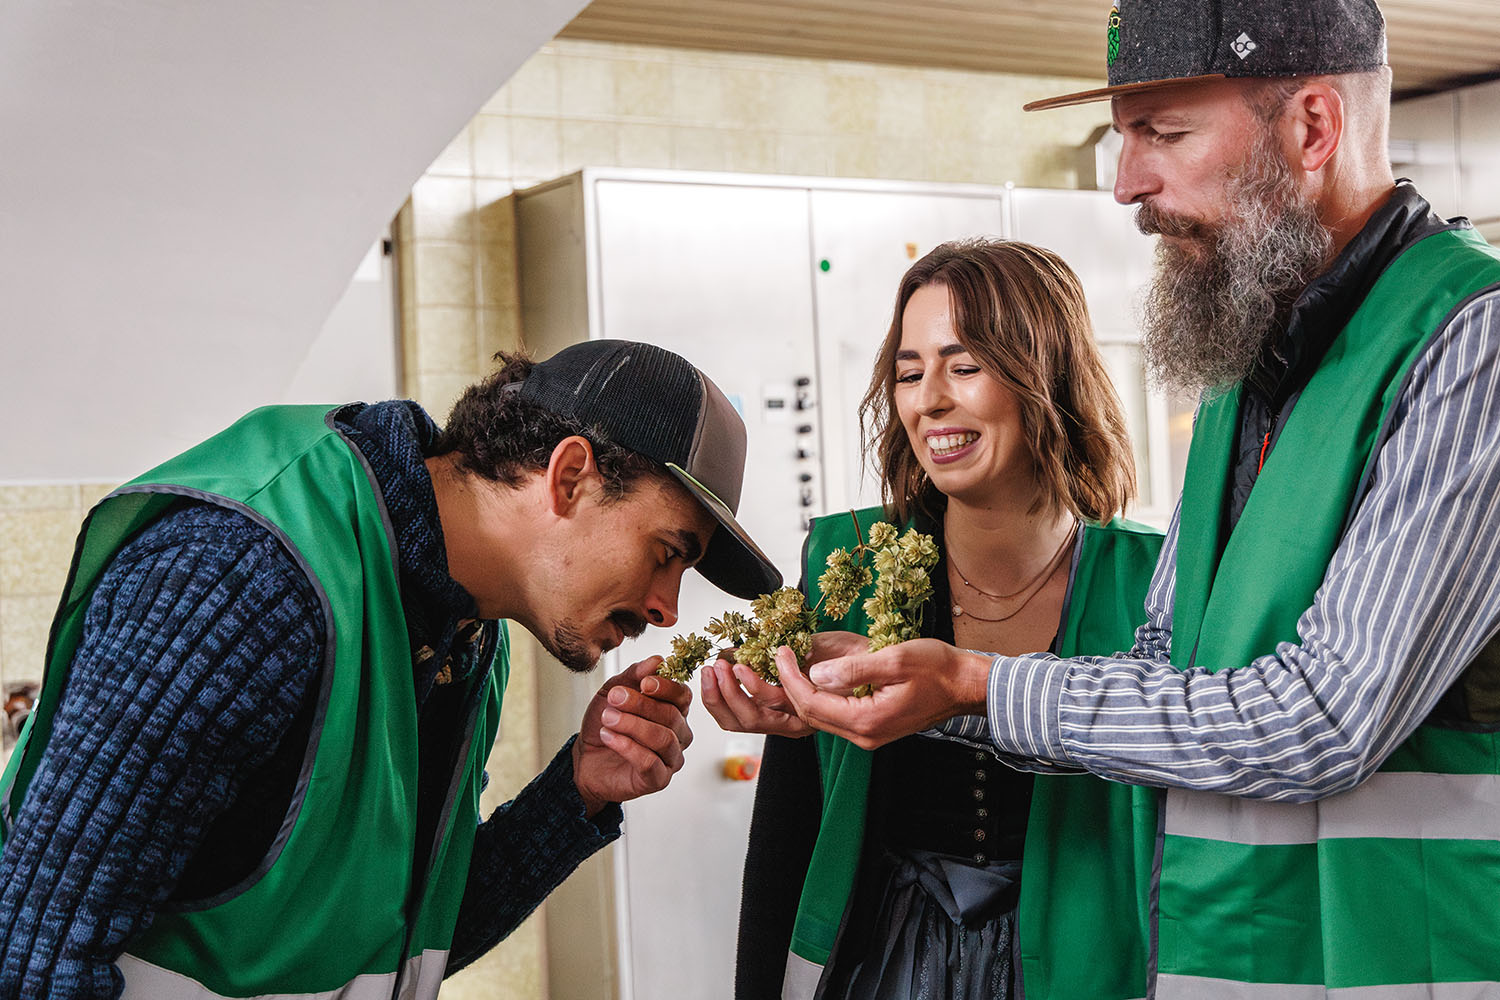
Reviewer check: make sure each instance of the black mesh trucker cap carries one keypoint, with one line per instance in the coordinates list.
(1158, 43)
(655, 403)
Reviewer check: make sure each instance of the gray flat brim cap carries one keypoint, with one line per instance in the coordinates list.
(1154, 44)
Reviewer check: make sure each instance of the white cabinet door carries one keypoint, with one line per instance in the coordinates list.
(1479, 151)
(719, 274)
(1099, 241)
(1424, 148)
(863, 242)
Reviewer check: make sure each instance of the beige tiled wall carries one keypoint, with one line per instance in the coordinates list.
(577, 104)
(37, 527)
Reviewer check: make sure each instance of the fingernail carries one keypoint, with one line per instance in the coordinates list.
(650, 685)
(820, 675)
(609, 717)
(616, 696)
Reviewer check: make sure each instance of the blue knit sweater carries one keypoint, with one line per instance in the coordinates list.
(177, 741)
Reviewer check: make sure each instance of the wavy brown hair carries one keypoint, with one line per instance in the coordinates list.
(1020, 312)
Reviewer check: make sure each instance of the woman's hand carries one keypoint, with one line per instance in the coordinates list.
(741, 702)
(916, 685)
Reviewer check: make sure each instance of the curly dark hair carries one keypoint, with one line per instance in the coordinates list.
(501, 437)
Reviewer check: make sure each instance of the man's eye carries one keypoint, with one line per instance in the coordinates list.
(1167, 137)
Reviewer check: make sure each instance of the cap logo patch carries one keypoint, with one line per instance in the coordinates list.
(1243, 46)
(1114, 33)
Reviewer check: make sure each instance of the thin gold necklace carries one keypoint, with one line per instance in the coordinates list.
(1035, 584)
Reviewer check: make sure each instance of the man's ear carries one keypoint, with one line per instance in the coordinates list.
(1315, 120)
(570, 472)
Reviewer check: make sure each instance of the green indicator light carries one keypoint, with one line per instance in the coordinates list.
(823, 264)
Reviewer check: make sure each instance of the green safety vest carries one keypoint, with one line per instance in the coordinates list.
(335, 910)
(1089, 842)
(1392, 889)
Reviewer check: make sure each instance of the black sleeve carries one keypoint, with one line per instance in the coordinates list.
(783, 829)
(523, 852)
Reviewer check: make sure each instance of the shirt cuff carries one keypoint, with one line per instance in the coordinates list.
(973, 730)
(1025, 693)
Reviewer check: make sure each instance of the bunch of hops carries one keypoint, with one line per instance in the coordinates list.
(842, 581)
(782, 618)
(902, 585)
(688, 653)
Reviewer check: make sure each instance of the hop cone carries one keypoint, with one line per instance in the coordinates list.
(688, 653)
(841, 582)
(759, 655)
(733, 628)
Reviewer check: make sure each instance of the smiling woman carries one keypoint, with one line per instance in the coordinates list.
(998, 432)
(1003, 324)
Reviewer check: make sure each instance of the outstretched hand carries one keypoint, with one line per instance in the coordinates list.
(917, 684)
(632, 738)
(741, 702)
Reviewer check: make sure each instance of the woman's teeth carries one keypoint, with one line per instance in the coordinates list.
(946, 444)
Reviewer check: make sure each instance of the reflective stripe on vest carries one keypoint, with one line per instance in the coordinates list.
(1200, 988)
(1408, 805)
(420, 979)
(802, 977)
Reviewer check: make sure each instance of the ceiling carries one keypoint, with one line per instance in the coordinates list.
(166, 263)
(1434, 44)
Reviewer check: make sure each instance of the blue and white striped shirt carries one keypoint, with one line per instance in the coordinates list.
(1410, 597)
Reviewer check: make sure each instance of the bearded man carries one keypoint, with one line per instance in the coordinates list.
(274, 681)
(1317, 687)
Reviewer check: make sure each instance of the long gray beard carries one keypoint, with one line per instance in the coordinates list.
(1216, 306)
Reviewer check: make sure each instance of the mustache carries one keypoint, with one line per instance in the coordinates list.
(1218, 304)
(1153, 221)
(632, 624)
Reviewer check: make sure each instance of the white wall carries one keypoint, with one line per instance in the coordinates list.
(186, 189)
(1449, 145)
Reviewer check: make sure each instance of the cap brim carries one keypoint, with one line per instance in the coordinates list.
(1105, 93)
(732, 562)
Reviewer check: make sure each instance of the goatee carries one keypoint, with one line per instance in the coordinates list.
(1223, 292)
(568, 645)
